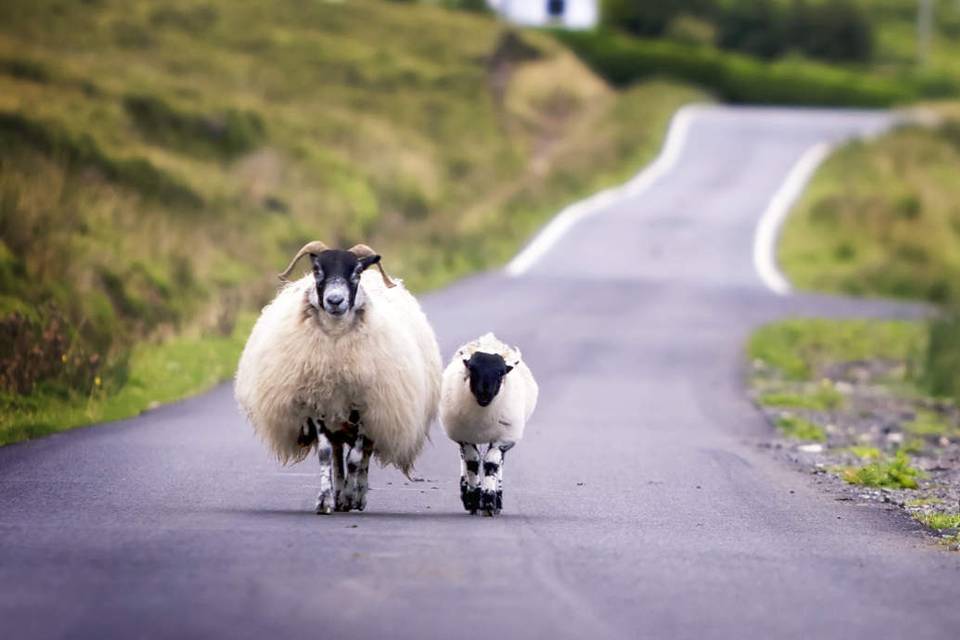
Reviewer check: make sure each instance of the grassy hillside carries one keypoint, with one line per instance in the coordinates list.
(159, 163)
(882, 217)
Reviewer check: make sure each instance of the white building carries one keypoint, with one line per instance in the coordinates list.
(572, 14)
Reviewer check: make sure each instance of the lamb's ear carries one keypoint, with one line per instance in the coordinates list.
(466, 363)
(509, 369)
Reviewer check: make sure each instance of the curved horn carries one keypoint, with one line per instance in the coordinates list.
(311, 247)
(363, 251)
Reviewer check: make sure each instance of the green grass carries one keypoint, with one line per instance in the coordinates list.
(940, 521)
(800, 347)
(895, 473)
(800, 429)
(157, 374)
(160, 164)
(820, 397)
(881, 218)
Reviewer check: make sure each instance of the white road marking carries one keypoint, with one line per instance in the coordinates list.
(768, 229)
(573, 214)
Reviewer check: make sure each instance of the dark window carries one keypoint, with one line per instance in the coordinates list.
(555, 8)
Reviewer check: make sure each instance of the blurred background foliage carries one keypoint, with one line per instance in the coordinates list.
(817, 52)
(160, 162)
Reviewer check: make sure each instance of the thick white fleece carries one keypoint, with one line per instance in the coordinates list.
(503, 419)
(299, 363)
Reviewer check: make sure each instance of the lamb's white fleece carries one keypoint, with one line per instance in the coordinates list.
(505, 418)
(300, 362)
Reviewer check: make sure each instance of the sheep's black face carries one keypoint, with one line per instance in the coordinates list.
(337, 274)
(486, 375)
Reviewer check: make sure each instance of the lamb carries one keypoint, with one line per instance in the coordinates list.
(487, 396)
(344, 361)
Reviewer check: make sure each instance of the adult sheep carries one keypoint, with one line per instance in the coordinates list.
(343, 360)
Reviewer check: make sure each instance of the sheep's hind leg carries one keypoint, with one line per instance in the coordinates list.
(358, 468)
(470, 476)
(491, 490)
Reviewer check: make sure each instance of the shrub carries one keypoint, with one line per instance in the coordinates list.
(734, 77)
(942, 363)
(651, 17)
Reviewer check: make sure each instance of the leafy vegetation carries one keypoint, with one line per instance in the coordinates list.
(895, 473)
(159, 163)
(839, 30)
(942, 361)
(736, 77)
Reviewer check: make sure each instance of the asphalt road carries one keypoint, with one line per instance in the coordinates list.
(637, 506)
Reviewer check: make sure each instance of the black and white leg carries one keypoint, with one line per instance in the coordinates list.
(491, 489)
(470, 476)
(338, 474)
(358, 467)
(331, 471)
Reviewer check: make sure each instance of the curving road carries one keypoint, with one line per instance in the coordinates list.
(636, 507)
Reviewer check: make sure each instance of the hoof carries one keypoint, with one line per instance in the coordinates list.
(489, 503)
(325, 504)
(470, 499)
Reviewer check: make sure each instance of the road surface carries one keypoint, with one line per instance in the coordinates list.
(638, 506)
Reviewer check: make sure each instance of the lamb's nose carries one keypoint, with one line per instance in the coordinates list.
(335, 300)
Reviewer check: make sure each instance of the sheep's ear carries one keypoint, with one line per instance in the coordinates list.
(315, 263)
(368, 261)
(509, 369)
(466, 363)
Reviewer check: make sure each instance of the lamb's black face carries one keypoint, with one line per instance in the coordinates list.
(486, 375)
(337, 274)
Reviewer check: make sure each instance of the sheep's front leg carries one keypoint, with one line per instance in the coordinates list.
(470, 476)
(358, 467)
(491, 490)
(331, 471)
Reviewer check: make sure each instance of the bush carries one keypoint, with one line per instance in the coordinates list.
(737, 78)
(838, 31)
(833, 30)
(941, 373)
(650, 18)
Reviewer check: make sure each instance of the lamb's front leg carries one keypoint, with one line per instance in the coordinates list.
(470, 476)
(330, 454)
(491, 490)
(358, 467)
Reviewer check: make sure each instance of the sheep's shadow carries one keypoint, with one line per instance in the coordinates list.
(369, 516)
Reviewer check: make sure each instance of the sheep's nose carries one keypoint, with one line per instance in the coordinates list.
(335, 300)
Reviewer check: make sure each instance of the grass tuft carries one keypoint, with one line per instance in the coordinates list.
(940, 521)
(896, 473)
